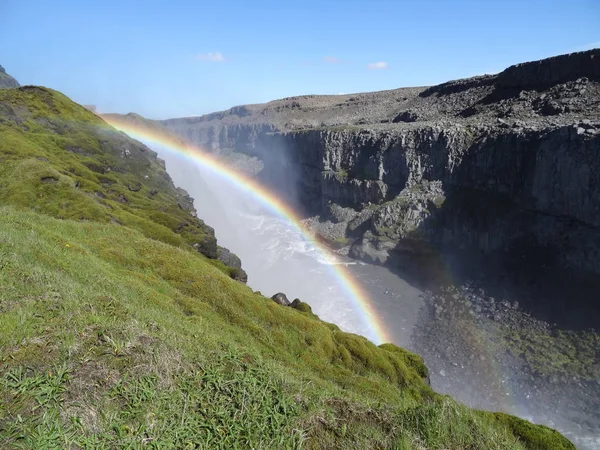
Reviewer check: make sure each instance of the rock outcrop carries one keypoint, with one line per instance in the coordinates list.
(6, 81)
(234, 263)
(281, 299)
(497, 163)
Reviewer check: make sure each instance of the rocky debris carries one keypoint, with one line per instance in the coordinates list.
(414, 204)
(375, 231)
(406, 116)
(302, 307)
(399, 221)
(332, 232)
(339, 214)
(281, 299)
(562, 98)
(340, 226)
(372, 249)
(520, 358)
(6, 81)
(359, 223)
(502, 123)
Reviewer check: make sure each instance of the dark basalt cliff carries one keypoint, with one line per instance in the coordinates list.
(496, 164)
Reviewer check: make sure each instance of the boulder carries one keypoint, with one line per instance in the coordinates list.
(301, 306)
(207, 246)
(281, 299)
(239, 274)
(234, 263)
(228, 258)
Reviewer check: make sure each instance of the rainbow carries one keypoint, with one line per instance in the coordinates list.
(360, 300)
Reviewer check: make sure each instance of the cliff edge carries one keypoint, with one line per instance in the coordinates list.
(490, 165)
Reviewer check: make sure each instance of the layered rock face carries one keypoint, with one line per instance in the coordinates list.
(501, 163)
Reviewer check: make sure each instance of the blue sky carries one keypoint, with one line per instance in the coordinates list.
(183, 57)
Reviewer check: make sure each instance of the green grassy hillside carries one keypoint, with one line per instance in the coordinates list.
(60, 159)
(118, 334)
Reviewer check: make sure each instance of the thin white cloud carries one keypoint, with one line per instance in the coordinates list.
(331, 60)
(378, 65)
(211, 57)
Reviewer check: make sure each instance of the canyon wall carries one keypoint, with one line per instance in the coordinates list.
(499, 163)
